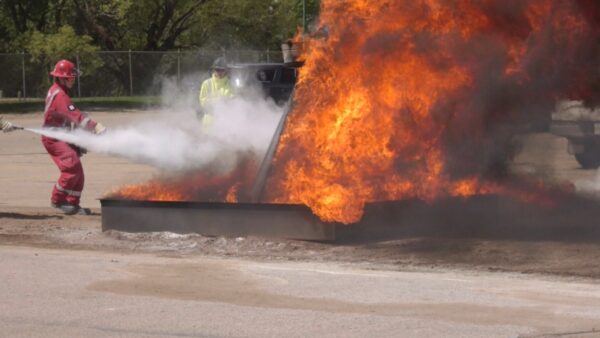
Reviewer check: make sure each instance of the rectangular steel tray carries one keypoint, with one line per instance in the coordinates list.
(215, 219)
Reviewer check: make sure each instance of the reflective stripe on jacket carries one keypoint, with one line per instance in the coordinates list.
(60, 111)
(214, 88)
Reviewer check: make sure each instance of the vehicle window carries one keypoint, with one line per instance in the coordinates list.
(288, 75)
(266, 75)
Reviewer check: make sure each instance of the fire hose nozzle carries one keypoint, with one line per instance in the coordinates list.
(8, 127)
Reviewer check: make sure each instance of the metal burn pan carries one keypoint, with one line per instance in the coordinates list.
(481, 217)
(216, 219)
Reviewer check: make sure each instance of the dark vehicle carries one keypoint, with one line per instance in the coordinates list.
(274, 80)
(584, 140)
(581, 126)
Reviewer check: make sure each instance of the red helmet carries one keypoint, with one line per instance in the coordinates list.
(65, 68)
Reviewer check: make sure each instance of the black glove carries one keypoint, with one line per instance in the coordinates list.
(6, 126)
(79, 150)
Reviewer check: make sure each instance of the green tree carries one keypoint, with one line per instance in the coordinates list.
(18, 18)
(157, 25)
(247, 24)
(144, 25)
(139, 25)
(252, 24)
(46, 49)
(63, 44)
(311, 10)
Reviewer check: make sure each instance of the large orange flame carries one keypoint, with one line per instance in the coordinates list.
(415, 99)
(195, 186)
(401, 99)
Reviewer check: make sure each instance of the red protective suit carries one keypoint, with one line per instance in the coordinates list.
(61, 113)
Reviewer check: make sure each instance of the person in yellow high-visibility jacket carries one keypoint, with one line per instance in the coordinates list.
(216, 87)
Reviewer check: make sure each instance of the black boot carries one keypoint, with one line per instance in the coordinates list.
(69, 209)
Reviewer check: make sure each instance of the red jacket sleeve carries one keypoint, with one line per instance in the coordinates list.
(64, 108)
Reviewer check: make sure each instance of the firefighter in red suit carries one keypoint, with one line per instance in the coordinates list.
(61, 113)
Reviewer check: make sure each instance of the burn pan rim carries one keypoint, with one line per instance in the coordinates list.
(115, 202)
(283, 221)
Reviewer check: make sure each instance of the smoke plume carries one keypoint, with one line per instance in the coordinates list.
(422, 99)
(176, 140)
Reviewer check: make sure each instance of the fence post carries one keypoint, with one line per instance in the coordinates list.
(304, 17)
(130, 76)
(178, 66)
(78, 78)
(23, 74)
(268, 56)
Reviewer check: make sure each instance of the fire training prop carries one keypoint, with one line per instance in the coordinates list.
(266, 164)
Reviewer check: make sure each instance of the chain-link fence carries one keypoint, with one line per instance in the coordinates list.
(118, 73)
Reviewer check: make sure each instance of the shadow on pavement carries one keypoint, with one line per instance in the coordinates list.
(571, 218)
(17, 215)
